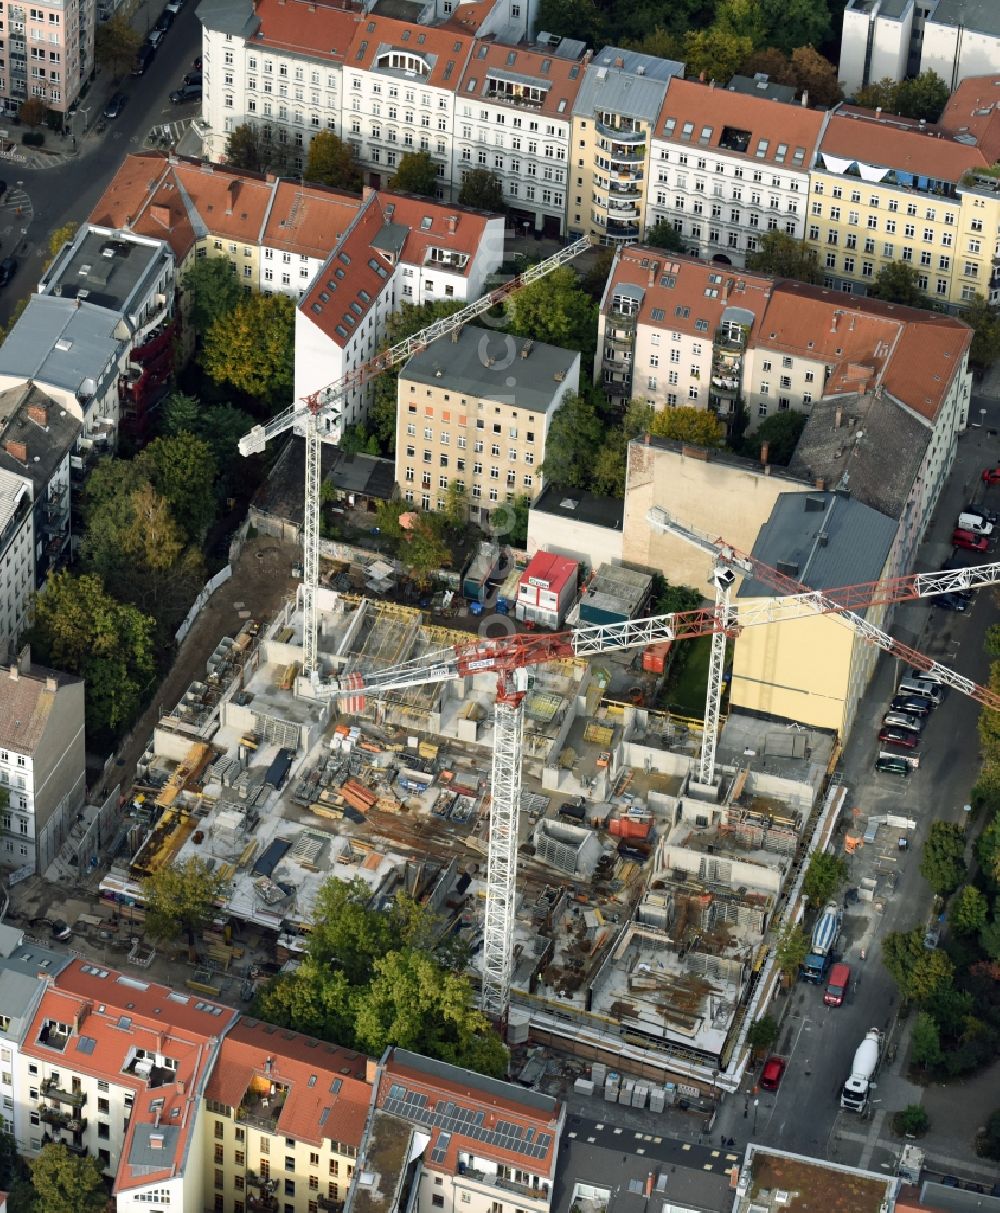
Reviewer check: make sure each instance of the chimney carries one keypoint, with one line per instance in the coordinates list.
(452, 224)
(833, 322)
(649, 1185)
(765, 450)
(838, 419)
(821, 484)
(727, 290)
(805, 98)
(80, 1017)
(17, 450)
(51, 683)
(268, 1064)
(180, 1086)
(39, 414)
(619, 62)
(234, 189)
(156, 1125)
(371, 1071)
(14, 673)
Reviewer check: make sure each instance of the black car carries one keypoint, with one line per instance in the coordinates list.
(8, 268)
(60, 930)
(115, 106)
(951, 602)
(192, 78)
(915, 705)
(164, 21)
(187, 92)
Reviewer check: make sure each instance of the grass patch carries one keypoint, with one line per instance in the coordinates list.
(688, 681)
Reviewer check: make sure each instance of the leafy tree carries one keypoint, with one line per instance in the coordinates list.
(763, 1033)
(824, 876)
(925, 1044)
(558, 310)
(968, 911)
(517, 536)
(932, 973)
(58, 237)
(247, 148)
(573, 19)
(416, 174)
(988, 850)
(483, 191)
(913, 1121)
(668, 599)
(212, 290)
(356, 440)
(900, 952)
(742, 19)
(716, 52)
(595, 279)
(984, 321)
(697, 426)
(332, 162)
(661, 43)
(924, 96)
(796, 23)
(81, 629)
(791, 950)
(785, 257)
(665, 236)
(607, 473)
(638, 418)
(989, 937)
(33, 112)
(456, 505)
(252, 347)
(182, 469)
(988, 1144)
(770, 62)
(424, 549)
(116, 44)
(67, 1183)
(813, 74)
(989, 725)
(781, 432)
(221, 426)
(896, 282)
(181, 899)
(575, 435)
(942, 862)
(880, 94)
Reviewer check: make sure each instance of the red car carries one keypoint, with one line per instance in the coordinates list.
(991, 475)
(770, 1078)
(969, 541)
(903, 737)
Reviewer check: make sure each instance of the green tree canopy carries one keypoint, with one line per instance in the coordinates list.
(988, 849)
(607, 474)
(456, 505)
(742, 19)
(925, 1045)
(785, 257)
(248, 147)
(920, 973)
(781, 432)
(220, 426)
(984, 321)
(896, 282)
(716, 52)
(332, 162)
(556, 309)
(416, 174)
(182, 469)
(181, 899)
(697, 426)
(824, 876)
(988, 1145)
(763, 1033)
(575, 435)
(665, 236)
(968, 911)
(58, 237)
(81, 629)
(814, 74)
(942, 861)
(483, 191)
(252, 348)
(212, 290)
(989, 937)
(791, 950)
(116, 44)
(796, 23)
(923, 96)
(67, 1183)
(424, 549)
(573, 19)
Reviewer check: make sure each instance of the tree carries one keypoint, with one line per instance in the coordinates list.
(456, 505)
(483, 191)
(424, 550)
(785, 257)
(661, 43)
(116, 44)
(665, 236)
(517, 536)
(595, 279)
(81, 629)
(716, 53)
(942, 862)
(699, 427)
(913, 1121)
(815, 75)
(181, 899)
(896, 282)
(824, 876)
(880, 94)
(212, 290)
(988, 850)
(221, 426)
(770, 62)
(763, 1033)
(668, 599)
(968, 911)
(923, 96)
(252, 347)
(574, 437)
(925, 1044)
(58, 237)
(781, 432)
(795, 23)
(607, 473)
(67, 1183)
(900, 952)
(988, 1144)
(332, 162)
(183, 469)
(558, 310)
(247, 148)
(573, 19)
(791, 950)
(741, 19)
(984, 321)
(416, 174)
(932, 973)
(989, 937)
(33, 112)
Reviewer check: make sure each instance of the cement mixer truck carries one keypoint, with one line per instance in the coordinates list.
(824, 937)
(856, 1091)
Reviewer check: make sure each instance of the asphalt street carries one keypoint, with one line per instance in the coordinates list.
(49, 197)
(668, 1150)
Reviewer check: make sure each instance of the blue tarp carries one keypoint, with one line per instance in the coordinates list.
(270, 859)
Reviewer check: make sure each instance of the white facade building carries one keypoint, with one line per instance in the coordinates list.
(17, 558)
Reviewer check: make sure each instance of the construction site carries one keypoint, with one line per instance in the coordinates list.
(642, 906)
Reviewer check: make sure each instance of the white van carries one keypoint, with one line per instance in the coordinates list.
(920, 686)
(975, 523)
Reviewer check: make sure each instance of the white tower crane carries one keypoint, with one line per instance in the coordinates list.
(511, 657)
(323, 405)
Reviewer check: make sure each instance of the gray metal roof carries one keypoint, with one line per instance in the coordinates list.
(18, 994)
(619, 92)
(390, 238)
(638, 63)
(236, 17)
(144, 1154)
(822, 539)
(442, 1071)
(978, 16)
(84, 331)
(525, 373)
(754, 86)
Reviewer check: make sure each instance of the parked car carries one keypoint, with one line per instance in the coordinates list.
(837, 985)
(187, 92)
(968, 541)
(60, 930)
(164, 21)
(8, 268)
(143, 58)
(900, 737)
(890, 765)
(116, 104)
(914, 705)
(770, 1078)
(991, 475)
(196, 63)
(983, 512)
(192, 78)
(951, 602)
(174, 7)
(155, 37)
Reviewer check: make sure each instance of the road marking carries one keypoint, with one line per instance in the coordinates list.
(686, 1146)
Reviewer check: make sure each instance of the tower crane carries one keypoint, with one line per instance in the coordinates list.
(842, 602)
(511, 657)
(323, 406)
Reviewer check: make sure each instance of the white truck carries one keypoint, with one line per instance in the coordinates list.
(855, 1092)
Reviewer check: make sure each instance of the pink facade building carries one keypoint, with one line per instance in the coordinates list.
(47, 52)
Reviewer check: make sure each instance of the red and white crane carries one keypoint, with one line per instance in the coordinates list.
(511, 658)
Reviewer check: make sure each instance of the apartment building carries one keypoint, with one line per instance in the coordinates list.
(42, 762)
(49, 54)
(900, 38)
(284, 1121)
(726, 168)
(301, 225)
(884, 189)
(614, 119)
(513, 113)
(440, 1137)
(475, 408)
(17, 559)
(398, 250)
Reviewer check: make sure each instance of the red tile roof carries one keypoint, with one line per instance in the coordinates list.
(467, 18)
(445, 52)
(308, 219)
(327, 1088)
(563, 76)
(974, 109)
(792, 126)
(311, 27)
(860, 135)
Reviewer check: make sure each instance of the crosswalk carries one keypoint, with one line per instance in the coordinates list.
(166, 133)
(16, 205)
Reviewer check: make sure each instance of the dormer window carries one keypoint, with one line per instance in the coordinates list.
(402, 61)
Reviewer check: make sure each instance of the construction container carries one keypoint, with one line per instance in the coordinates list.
(583, 1086)
(654, 657)
(627, 1091)
(631, 827)
(670, 1094)
(610, 1089)
(518, 1023)
(640, 1095)
(656, 1099)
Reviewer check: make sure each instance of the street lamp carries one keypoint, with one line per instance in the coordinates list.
(756, 1105)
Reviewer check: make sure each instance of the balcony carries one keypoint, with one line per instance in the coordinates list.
(76, 1099)
(492, 1180)
(620, 153)
(627, 190)
(62, 1120)
(622, 231)
(264, 1182)
(618, 341)
(261, 1110)
(264, 1202)
(623, 321)
(327, 1202)
(620, 134)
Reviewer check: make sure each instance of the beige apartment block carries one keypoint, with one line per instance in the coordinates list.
(475, 408)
